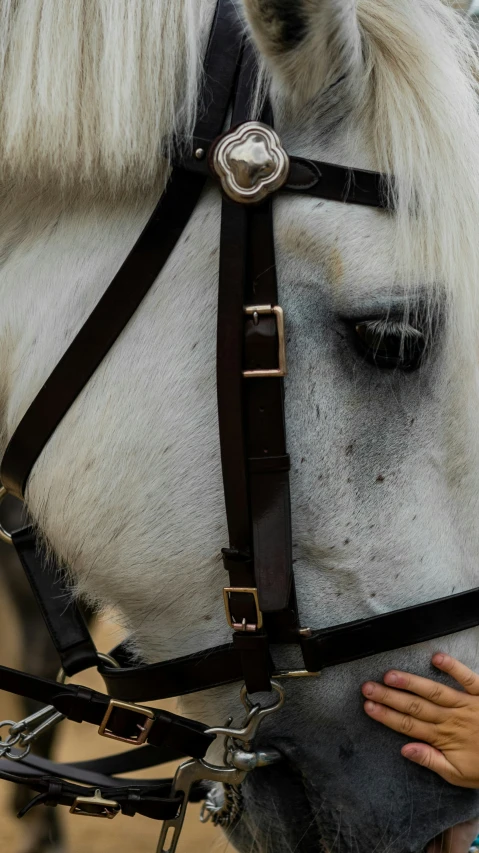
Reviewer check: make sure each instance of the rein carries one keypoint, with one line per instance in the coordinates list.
(250, 165)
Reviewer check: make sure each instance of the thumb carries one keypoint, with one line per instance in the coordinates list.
(433, 759)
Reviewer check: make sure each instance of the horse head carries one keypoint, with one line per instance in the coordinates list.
(381, 311)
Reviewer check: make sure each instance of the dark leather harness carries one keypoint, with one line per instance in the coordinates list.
(260, 600)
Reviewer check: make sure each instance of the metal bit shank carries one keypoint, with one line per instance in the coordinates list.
(186, 775)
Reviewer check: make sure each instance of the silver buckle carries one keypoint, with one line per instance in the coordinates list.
(252, 310)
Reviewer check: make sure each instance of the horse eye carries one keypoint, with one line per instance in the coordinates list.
(390, 344)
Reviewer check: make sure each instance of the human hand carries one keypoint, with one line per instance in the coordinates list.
(444, 719)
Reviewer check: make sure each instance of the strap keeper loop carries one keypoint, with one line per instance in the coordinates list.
(269, 464)
(255, 660)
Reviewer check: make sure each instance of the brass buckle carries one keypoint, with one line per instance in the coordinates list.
(95, 806)
(281, 369)
(242, 626)
(149, 719)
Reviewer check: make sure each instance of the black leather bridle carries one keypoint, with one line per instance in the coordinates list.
(251, 165)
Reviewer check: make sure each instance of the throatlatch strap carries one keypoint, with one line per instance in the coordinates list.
(106, 322)
(65, 623)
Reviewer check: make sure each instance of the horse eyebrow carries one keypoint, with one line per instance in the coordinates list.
(405, 307)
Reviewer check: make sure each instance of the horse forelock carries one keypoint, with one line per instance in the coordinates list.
(95, 92)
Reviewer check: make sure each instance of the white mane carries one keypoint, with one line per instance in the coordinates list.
(420, 100)
(95, 91)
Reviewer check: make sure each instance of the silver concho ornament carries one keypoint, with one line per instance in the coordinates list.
(250, 162)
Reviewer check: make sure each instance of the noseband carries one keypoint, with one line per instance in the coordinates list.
(250, 165)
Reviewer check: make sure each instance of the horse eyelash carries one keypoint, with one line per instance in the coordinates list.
(398, 328)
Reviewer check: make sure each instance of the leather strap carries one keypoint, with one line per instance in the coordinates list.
(229, 362)
(252, 643)
(153, 801)
(135, 277)
(63, 618)
(218, 666)
(349, 641)
(128, 762)
(149, 797)
(337, 183)
(203, 670)
(395, 630)
(316, 178)
(99, 771)
(268, 461)
(81, 704)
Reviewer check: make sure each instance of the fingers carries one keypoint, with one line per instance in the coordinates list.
(436, 693)
(461, 673)
(402, 723)
(413, 706)
(431, 758)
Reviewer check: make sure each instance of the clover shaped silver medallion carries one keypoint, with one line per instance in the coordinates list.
(250, 162)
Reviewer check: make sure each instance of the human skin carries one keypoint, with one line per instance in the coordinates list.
(444, 725)
(443, 722)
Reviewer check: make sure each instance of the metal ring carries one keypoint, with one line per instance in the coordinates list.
(12, 757)
(248, 704)
(5, 536)
(9, 723)
(62, 676)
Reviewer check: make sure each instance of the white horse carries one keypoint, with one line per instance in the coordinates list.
(385, 480)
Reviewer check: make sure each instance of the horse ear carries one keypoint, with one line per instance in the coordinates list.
(309, 44)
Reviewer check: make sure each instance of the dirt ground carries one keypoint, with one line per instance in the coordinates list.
(75, 742)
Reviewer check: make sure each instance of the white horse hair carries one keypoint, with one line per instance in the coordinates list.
(95, 94)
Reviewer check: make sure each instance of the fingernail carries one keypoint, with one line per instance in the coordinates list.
(368, 689)
(439, 658)
(409, 752)
(369, 706)
(391, 678)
